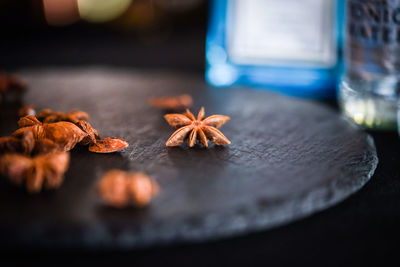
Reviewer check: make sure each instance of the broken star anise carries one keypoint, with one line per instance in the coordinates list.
(74, 116)
(179, 102)
(199, 128)
(119, 189)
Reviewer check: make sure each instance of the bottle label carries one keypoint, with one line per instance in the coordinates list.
(282, 32)
(373, 36)
(374, 22)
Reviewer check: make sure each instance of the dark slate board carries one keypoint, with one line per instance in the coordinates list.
(288, 159)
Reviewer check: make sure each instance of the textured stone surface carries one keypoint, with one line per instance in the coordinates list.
(288, 159)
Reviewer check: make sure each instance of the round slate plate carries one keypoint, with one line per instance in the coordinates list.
(288, 159)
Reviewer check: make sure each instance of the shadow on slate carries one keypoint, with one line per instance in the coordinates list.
(288, 159)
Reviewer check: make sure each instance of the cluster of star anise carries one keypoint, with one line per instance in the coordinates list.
(37, 155)
(34, 164)
(120, 189)
(67, 130)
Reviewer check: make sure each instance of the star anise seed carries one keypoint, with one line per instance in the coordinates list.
(108, 145)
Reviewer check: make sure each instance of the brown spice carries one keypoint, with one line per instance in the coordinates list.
(36, 154)
(199, 128)
(28, 120)
(10, 144)
(180, 102)
(44, 170)
(15, 167)
(119, 189)
(91, 134)
(25, 144)
(45, 146)
(108, 145)
(79, 118)
(65, 134)
(27, 110)
(36, 163)
(73, 116)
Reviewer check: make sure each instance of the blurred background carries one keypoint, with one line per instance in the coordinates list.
(132, 33)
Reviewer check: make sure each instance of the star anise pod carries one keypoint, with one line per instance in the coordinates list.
(43, 170)
(10, 144)
(30, 160)
(26, 110)
(74, 116)
(179, 102)
(67, 134)
(26, 144)
(92, 135)
(119, 189)
(199, 128)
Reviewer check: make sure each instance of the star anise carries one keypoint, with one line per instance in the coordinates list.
(26, 110)
(179, 102)
(199, 128)
(32, 163)
(10, 144)
(74, 116)
(119, 189)
(65, 134)
(26, 144)
(36, 154)
(35, 172)
(77, 117)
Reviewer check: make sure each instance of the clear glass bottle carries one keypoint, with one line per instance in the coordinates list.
(370, 84)
(290, 46)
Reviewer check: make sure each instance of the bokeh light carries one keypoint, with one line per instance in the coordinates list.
(60, 12)
(101, 10)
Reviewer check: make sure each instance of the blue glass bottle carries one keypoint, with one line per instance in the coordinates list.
(286, 45)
